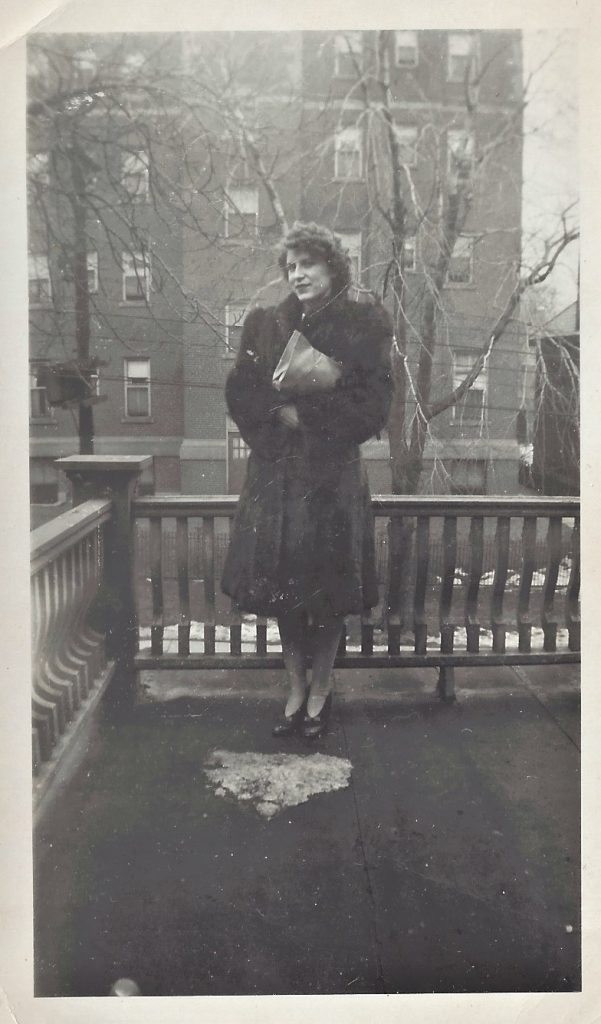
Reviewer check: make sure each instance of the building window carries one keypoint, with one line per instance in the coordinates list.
(43, 482)
(472, 407)
(39, 408)
(234, 318)
(37, 168)
(461, 55)
(348, 161)
(460, 153)
(347, 54)
(135, 175)
(406, 136)
(136, 277)
(137, 388)
(461, 264)
(237, 446)
(240, 449)
(468, 476)
(410, 253)
(238, 165)
(39, 279)
(241, 211)
(352, 242)
(92, 272)
(406, 49)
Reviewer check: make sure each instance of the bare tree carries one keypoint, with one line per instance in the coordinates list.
(135, 144)
(183, 129)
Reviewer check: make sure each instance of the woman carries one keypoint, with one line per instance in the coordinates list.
(302, 546)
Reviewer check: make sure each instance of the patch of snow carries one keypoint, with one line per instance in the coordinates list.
(272, 782)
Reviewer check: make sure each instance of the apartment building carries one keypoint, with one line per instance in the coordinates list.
(185, 200)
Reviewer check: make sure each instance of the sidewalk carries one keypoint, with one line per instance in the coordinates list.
(447, 861)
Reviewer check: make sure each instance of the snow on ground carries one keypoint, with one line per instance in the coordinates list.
(272, 782)
(222, 639)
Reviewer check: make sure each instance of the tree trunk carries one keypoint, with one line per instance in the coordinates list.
(82, 301)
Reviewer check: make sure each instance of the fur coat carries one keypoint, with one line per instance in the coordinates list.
(303, 534)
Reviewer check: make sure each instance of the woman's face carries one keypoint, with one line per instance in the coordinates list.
(310, 278)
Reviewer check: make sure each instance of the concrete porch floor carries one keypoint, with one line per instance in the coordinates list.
(448, 863)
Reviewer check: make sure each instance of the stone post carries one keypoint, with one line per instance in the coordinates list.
(115, 477)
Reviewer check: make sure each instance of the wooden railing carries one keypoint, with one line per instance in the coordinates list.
(69, 660)
(513, 612)
(462, 584)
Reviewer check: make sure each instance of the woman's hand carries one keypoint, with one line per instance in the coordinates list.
(288, 415)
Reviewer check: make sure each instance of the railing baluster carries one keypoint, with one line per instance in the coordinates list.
(549, 622)
(499, 626)
(367, 633)
(235, 630)
(430, 556)
(261, 628)
(156, 578)
(62, 588)
(52, 686)
(472, 623)
(573, 592)
(45, 703)
(77, 588)
(420, 621)
(183, 585)
(449, 542)
(208, 572)
(341, 652)
(528, 566)
(70, 591)
(446, 676)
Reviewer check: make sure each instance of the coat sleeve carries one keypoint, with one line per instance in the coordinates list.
(250, 396)
(358, 407)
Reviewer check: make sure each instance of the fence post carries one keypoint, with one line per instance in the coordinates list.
(115, 477)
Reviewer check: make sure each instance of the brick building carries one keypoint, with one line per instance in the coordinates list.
(182, 223)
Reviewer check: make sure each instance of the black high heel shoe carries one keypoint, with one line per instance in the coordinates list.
(314, 726)
(289, 724)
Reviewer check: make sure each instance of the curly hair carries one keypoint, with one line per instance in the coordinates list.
(318, 241)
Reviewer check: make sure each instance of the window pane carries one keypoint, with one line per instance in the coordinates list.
(136, 276)
(472, 405)
(348, 54)
(460, 152)
(243, 200)
(407, 140)
(39, 278)
(137, 400)
(135, 174)
(134, 288)
(461, 51)
(138, 369)
(409, 248)
(406, 48)
(352, 242)
(39, 403)
(92, 272)
(241, 211)
(234, 319)
(461, 263)
(39, 290)
(468, 476)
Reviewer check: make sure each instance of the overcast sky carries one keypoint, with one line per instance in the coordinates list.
(551, 147)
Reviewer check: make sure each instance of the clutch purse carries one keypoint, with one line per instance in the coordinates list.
(304, 370)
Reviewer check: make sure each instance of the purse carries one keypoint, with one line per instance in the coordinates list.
(303, 370)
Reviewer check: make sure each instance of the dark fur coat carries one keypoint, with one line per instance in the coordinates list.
(303, 534)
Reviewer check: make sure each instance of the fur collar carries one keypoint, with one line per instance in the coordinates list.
(343, 329)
